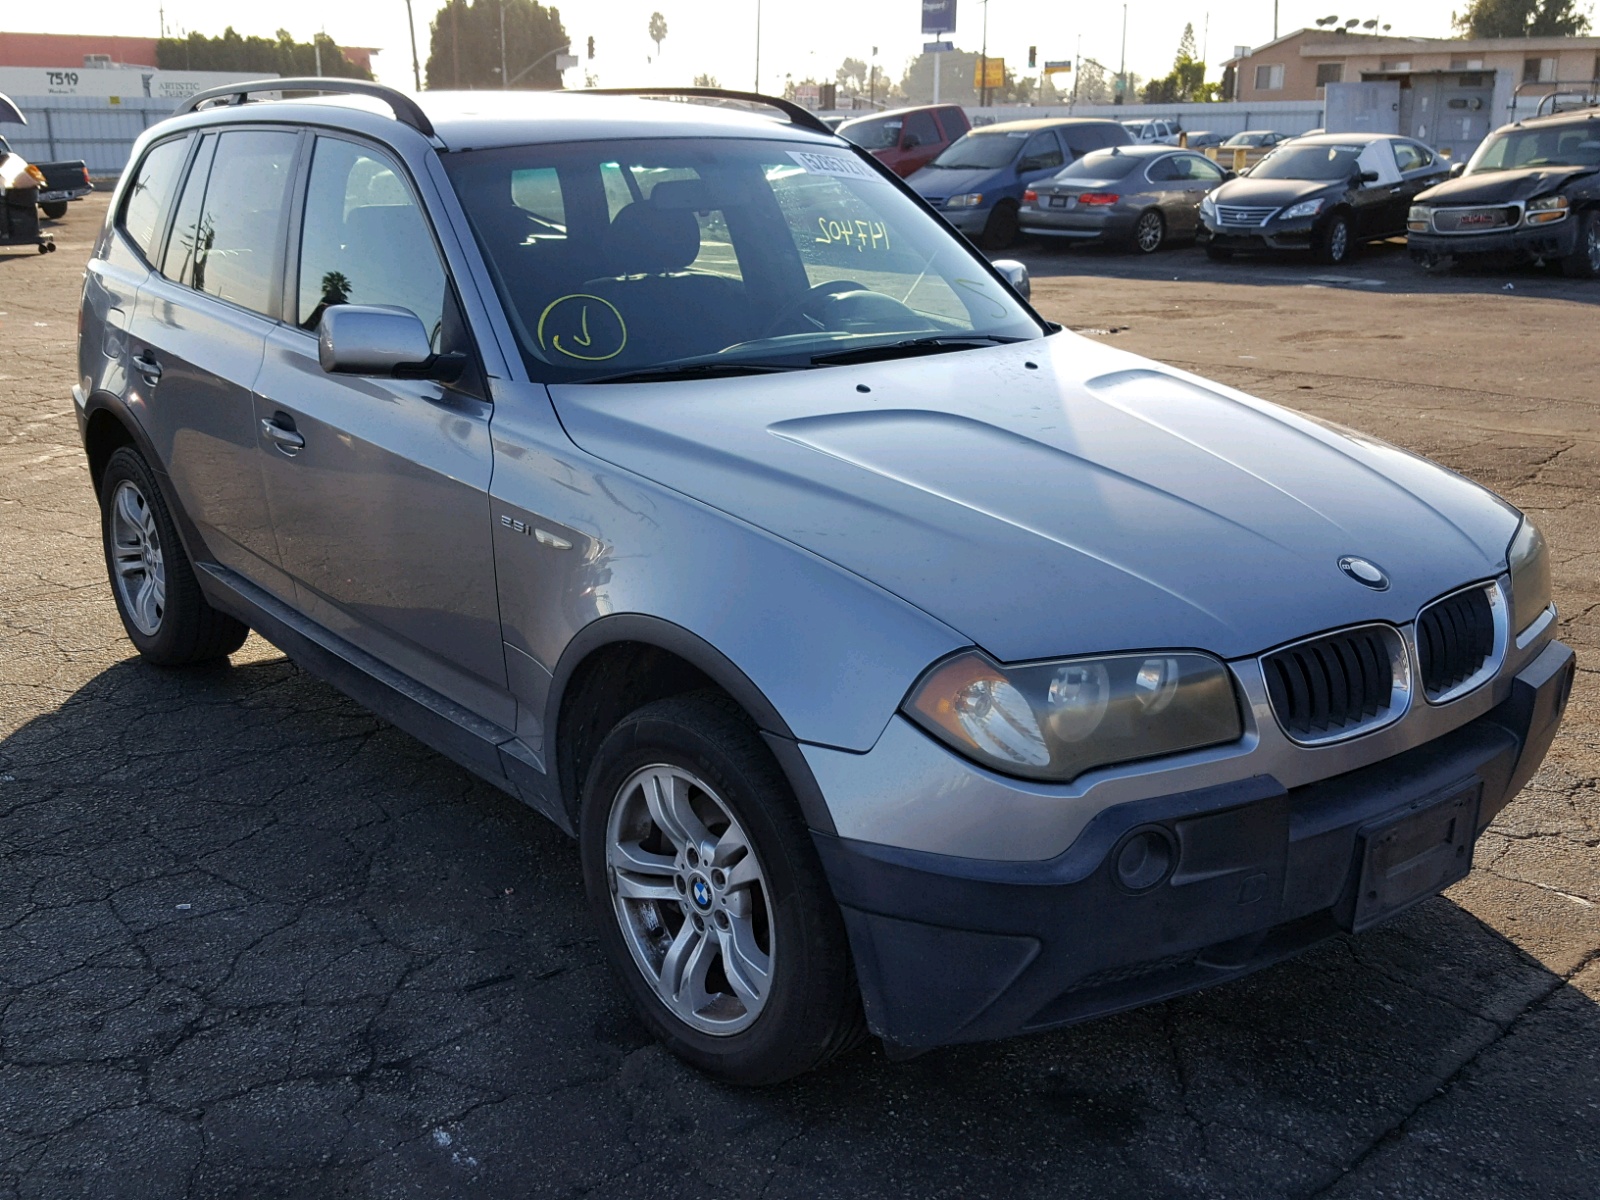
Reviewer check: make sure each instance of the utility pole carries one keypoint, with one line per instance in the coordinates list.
(758, 45)
(983, 57)
(316, 47)
(1122, 71)
(503, 83)
(411, 24)
(1274, 20)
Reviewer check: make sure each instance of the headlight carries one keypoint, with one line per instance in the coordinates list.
(1208, 206)
(1529, 557)
(969, 200)
(1419, 218)
(1056, 720)
(1306, 208)
(1547, 210)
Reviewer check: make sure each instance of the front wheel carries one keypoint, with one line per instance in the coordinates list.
(711, 902)
(1336, 243)
(158, 598)
(1584, 261)
(1149, 232)
(55, 209)
(1001, 228)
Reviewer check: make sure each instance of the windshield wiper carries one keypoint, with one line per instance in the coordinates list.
(724, 370)
(911, 348)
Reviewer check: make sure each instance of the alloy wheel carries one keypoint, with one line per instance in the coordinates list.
(1148, 233)
(1338, 241)
(691, 899)
(140, 570)
(1593, 246)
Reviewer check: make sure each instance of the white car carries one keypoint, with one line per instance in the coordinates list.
(1151, 133)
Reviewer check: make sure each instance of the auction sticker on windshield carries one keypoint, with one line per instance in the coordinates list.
(832, 164)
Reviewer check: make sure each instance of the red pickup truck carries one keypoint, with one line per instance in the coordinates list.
(907, 139)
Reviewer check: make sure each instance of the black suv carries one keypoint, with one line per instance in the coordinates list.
(1532, 191)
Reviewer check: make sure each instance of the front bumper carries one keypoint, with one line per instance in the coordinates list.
(955, 950)
(967, 220)
(1522, 244)
(1275, 235)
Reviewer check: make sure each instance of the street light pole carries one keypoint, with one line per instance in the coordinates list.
(758, 45)
(503, 82)
(1122, 71)
(983, 57)
(411, 24)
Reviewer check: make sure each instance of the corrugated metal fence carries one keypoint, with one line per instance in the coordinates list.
(87, 127)
(1285, 116)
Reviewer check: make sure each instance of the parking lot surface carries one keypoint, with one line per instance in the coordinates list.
(256, 943)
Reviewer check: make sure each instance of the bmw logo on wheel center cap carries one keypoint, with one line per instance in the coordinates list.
(1364, 572)
(701, 891)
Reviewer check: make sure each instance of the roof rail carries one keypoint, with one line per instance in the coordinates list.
(1587, 90)
(803, 117)
(403, 106)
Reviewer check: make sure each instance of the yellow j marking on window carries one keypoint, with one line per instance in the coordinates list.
(581, 326)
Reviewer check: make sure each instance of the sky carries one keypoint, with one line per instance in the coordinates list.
(798, 39)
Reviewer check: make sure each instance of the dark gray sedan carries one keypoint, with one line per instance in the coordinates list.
(1140, 196)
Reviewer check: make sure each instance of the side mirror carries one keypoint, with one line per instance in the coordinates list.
(1015, 274)
(362, 339)
(1227, 175)
(1457, 170)
(1366, 177)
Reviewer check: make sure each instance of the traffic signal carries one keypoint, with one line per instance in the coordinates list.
(591, 45)
(1033, 57)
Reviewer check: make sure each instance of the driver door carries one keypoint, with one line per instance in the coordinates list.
(1041, 156)
(1374, 202)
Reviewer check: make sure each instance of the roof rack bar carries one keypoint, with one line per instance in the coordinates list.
(803, 117)
(1588, 89)
(403, 106)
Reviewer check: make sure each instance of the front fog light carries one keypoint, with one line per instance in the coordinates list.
(1056, 720)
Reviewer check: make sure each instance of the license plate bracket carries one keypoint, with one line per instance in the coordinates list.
(1415, 853)
(1060, 201)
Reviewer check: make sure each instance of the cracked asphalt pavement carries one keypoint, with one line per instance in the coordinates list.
(256, 943)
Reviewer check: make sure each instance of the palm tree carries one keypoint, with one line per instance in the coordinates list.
(658, 31)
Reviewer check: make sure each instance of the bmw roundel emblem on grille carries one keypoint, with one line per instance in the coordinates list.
(702, 893)
(1364, 572)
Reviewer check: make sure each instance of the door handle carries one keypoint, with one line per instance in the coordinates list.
(147, 366)
(286, 440)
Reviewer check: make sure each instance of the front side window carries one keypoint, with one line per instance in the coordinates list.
(1411, 157)
(225, 242)
(364, 240)
(144, 212)
(1194, 167)
(881, 134)
(726, 251)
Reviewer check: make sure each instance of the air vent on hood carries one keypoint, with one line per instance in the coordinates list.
(1340, 684)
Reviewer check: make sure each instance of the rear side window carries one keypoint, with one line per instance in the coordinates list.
(144, 213)
(232, 241)
(365, 241)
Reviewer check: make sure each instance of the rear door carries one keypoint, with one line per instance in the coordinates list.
(1199, 175)
(198, 332)
(379, 486)
(1420, 168)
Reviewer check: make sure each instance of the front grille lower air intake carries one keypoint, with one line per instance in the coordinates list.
(1455, 640)
(1338, 685)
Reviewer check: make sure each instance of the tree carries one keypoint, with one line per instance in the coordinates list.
(706, 81)
(1187, 79)
(1092, 85)
(1521, 18)
(658, 31)
(465, 51)
(852, 75)
(232, 52)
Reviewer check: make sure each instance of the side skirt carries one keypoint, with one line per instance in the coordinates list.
(482, 747)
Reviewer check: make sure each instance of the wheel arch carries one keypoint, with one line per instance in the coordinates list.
(108, 425)
(621, 662)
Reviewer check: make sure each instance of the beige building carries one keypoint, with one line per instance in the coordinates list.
(1301, 64)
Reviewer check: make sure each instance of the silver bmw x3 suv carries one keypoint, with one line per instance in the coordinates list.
(900, 661)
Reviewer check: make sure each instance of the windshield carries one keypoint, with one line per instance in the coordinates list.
(1558, 146)
(874, 135)
(1308, 162)
(986, 151)
(1246, 139)
(623, 256)
(1102, 165)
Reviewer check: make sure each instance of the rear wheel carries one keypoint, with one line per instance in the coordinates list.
(162, 609)
(710, 899)
(1584, 261)
(1001, 228)
(1336, 243)
(55, 209)
(1149, 232)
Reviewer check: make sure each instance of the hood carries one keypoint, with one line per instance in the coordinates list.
(1501, 187)
(1060, 497)
(941, 181)
(1272, 193)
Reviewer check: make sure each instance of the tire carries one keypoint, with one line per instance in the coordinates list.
(162, 609)
(1336, 243)
(55, 209)
(1001, 228)
(1584, 261)
(1218, 253)
(696, 763)
(1433, 263)
(1149, 232)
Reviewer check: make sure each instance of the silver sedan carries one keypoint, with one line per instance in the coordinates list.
(1140, 196)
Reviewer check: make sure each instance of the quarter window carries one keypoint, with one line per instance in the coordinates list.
(365, 241)
(229, 247)
(144, 213)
